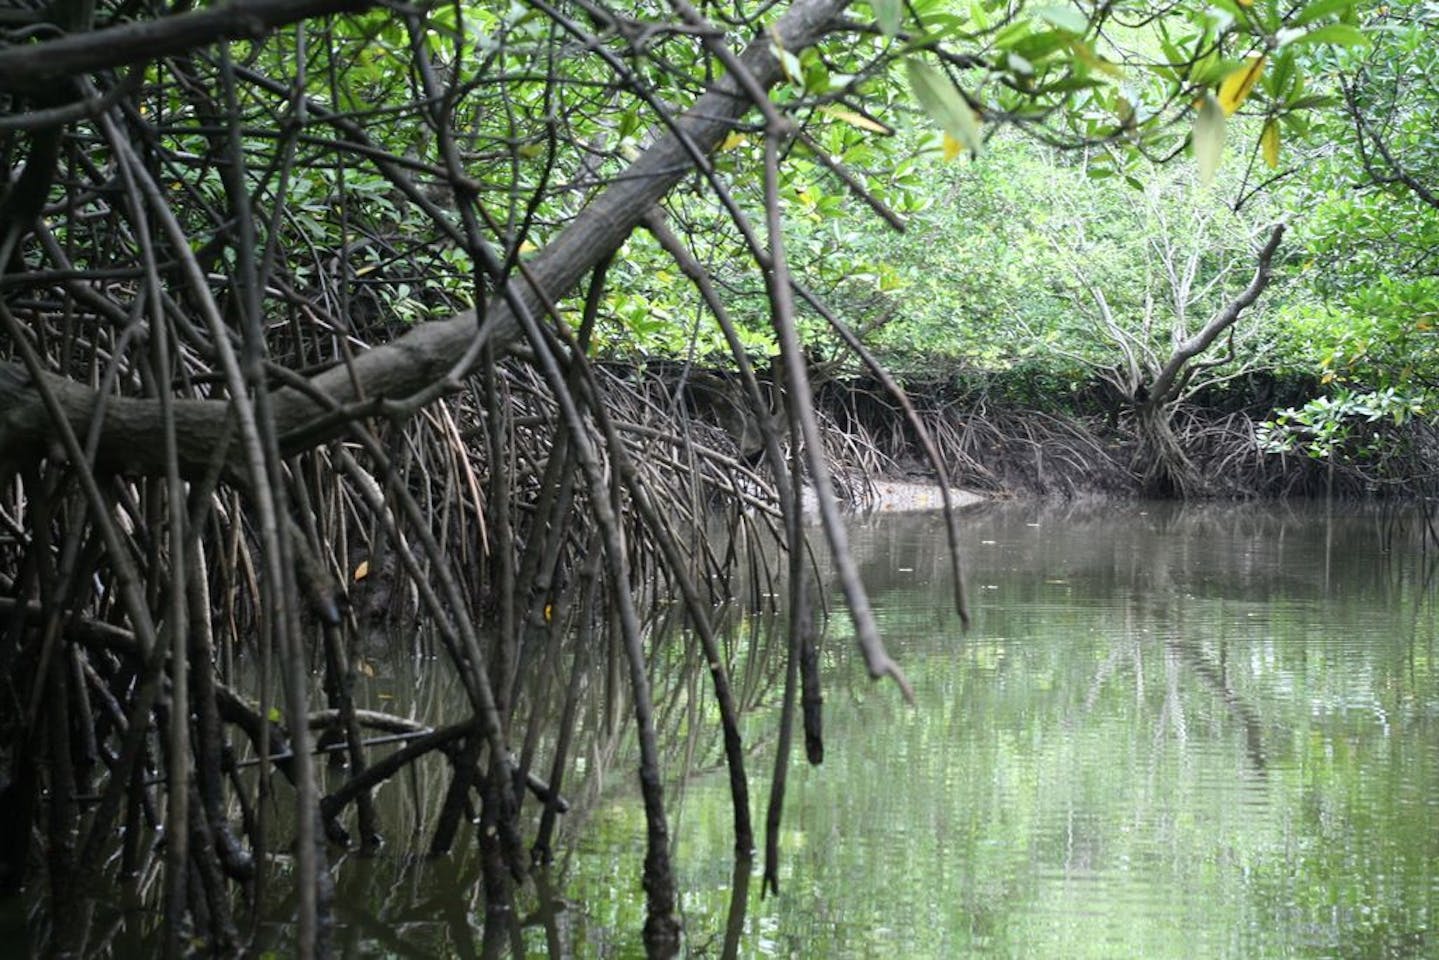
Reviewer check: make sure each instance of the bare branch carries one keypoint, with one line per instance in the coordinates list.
(1165, 384)
(36, 65)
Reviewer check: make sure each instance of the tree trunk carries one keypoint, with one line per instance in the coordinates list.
(1161, 463)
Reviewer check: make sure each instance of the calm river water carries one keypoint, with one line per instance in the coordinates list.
(1172, 732)
(1203, 731)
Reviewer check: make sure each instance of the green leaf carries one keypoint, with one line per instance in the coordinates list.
(1211, 69)
(1337, 33)
(273, 715)
(1321, 9)
(1009, 35)
(1312, 102)
(978, 14)
(629, 124)
(889, 14)
(1036, 47)
(1208, 137)
(1065, 18)
(946, 106)
(1279, 77)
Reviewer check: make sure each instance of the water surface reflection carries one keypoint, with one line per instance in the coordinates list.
(1173, 732)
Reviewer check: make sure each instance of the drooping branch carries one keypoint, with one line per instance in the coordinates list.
(382, 379)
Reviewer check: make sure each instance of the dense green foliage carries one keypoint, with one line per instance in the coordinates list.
(1045, 184)
(987, 282)
(1029, 187)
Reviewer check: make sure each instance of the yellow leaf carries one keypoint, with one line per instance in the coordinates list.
(549, 612)
(1236, 87)
(854, 119)
(362, 571)
(1269, 143)
(952, 147)
(734, 141)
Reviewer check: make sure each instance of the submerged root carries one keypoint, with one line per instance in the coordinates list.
(478, 518)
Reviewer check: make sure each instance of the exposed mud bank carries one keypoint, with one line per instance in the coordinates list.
(903, 496)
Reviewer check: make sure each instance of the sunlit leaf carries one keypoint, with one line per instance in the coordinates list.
(889, 14)
(946, 106)
(362, 571)
(1237, 86)
(1341, 34)
(1065, 18)
(789, 63)
(978, 14)
(854, 119)
(1007, 36)
(1269, 144)
(1208, 137)
(1035, 47)
(1321, 9)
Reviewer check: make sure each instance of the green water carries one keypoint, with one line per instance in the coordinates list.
(1193, 732)
(1172, 732)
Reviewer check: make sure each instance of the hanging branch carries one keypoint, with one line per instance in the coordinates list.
(384, 379)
